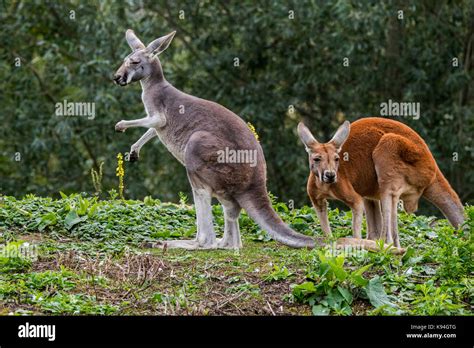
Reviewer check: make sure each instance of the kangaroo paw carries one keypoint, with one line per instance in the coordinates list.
(133, 157)
(120, 127)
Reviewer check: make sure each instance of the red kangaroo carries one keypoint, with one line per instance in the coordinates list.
(383, 161)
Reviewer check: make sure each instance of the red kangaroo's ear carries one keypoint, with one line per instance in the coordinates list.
(305, 135)
(341, 135)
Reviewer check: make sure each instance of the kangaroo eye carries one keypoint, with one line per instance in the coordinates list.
(134, 63)
(337, 159)
(317, 159)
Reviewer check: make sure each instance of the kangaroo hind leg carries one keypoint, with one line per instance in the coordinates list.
(231, 238)
(205, 237)
(373, 216)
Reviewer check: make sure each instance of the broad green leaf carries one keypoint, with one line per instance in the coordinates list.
(320, 310)
(346, 294)
(334, 299)
(357, 277)
(304, 289)
(46, 220)
(376, 293)
(72, 219)
(338, 270)
(408, 254)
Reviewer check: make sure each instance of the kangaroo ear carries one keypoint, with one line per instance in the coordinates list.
(306, 136)
(341, 134)
(133, 41)
(159, 45)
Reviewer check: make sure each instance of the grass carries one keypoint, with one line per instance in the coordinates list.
(81, 255)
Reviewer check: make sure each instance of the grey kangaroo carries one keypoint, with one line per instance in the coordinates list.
(196, 132)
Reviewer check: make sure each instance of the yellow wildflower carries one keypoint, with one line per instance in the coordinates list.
(252, 129)
(120, 172)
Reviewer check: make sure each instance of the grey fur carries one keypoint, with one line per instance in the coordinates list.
(194, 130)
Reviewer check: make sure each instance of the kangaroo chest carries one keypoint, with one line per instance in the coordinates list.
(176, 149)
(165, 133)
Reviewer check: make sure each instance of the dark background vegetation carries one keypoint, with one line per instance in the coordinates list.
(283, 62)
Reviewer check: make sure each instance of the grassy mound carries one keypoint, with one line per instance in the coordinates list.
(81, 255)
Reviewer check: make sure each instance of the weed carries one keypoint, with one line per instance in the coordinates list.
(120, 172)
(331, 287)
(431, 300)
(278, 273)
(97, 179)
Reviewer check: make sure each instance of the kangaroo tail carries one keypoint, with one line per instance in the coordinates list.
(441, 194)
(258, 207)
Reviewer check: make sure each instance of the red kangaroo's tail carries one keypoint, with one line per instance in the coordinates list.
(441, 194)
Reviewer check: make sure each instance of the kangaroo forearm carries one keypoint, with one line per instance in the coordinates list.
(321, 212)
(155, 121)
(149, 134)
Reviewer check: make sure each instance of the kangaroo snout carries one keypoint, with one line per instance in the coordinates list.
(329, 177)
(120, 79)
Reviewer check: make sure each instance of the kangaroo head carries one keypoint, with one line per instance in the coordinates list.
(324, 158)
(139, 64)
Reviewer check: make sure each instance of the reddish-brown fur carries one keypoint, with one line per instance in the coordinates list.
(381, 161)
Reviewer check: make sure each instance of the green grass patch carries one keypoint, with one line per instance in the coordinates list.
(81, 255)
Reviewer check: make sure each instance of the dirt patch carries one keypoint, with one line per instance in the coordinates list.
(32, 238)
(164, 284)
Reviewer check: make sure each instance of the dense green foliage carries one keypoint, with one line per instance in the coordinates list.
(89, 258)
(284, 63)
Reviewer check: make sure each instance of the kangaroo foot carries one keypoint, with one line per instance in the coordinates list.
(180, 244)
(370, 245)
(228, 244)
